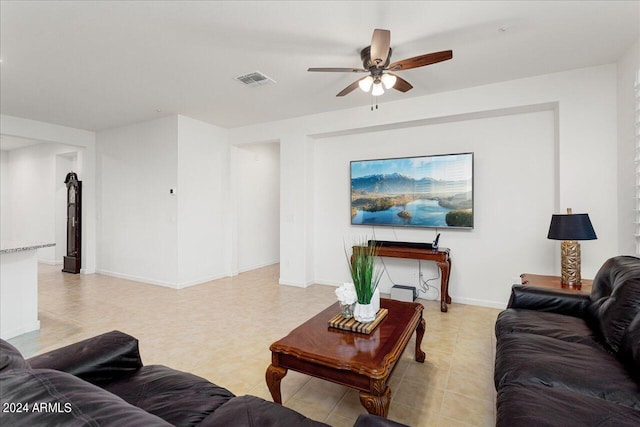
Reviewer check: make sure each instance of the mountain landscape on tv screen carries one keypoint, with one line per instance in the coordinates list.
(398, 199)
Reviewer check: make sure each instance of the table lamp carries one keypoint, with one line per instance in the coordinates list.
(570, 228)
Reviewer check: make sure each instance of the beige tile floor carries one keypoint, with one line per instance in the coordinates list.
(221, 330)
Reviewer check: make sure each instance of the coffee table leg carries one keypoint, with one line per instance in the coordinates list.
(376, 405)
(273, 376)
(419, 334)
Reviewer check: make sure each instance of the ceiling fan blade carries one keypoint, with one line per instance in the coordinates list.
(401, 84)
(347, 90)
(380, 47)
(339, 70)
(421, 61)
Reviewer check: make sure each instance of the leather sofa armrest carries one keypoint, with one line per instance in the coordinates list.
(368, 420)
(98, 360)
(558, 301)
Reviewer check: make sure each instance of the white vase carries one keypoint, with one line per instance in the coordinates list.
(375, 299)
(365, 312)
(369, 311)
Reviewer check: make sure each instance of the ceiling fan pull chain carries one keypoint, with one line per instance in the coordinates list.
(372, 98)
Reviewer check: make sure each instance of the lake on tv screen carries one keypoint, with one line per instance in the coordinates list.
(424, 213)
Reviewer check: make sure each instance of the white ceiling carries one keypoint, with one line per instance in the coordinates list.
(102, 64)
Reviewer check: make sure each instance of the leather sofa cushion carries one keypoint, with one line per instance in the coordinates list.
(180, 398)
(536, 359)
(529, 405)
(11, 358)
(97, 360)
(64, 400)
(630, 348)
(615, 298)
(251, 411)
(565, 328)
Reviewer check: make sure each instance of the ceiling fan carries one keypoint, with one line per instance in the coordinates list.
(376, 60)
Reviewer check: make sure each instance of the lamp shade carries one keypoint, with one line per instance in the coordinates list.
(571, 227)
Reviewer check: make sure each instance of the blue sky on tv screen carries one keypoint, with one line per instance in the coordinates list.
(448, 168)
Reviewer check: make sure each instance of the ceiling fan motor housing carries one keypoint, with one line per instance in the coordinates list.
(365, 55)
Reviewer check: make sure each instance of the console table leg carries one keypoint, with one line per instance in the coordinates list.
(448, 275)
(273, 376)
(376, 405)
(420, 355)
(445, 269)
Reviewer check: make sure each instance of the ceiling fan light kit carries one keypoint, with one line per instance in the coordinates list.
(388, 80)
(376, 60)
(366, 83)
(377, 89)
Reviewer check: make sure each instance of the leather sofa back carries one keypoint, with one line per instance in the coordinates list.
(615, 300)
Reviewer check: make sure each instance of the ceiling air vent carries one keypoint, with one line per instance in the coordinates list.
(255, 79)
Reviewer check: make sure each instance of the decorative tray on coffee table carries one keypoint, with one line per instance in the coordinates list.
(351, 324)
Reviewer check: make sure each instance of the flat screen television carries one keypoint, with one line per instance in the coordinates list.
(427, 191)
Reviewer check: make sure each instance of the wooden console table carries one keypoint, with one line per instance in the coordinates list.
(440, 256)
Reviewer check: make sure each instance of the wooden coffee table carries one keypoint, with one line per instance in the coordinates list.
(363, 362)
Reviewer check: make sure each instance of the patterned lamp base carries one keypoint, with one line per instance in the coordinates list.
(570, 258)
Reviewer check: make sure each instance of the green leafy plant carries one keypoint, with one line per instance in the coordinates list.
(362, 265)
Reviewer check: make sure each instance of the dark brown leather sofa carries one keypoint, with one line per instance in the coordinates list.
(566, 359)
(101, 381)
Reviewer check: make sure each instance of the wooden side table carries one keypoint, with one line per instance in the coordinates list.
(554, 282)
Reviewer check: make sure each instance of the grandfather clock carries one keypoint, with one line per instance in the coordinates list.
(72, 260)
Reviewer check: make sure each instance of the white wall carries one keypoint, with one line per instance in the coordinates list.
(258, 205)
(585, 128)
(204, 208)
(148, 234)
(138, 164)
(628, 75)
(296, 210)
(514, 161)
(137, 221)
(84, 143)
(31, 181)
(5, 212)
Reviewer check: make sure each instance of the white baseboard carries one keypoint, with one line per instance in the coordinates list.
(479, 302)
(295, 283)
(23, 329)
(256, 266)
(138, 279)
(50, 261)
(469, 301)
(199, 281)
(327, 283)
(149, 281)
